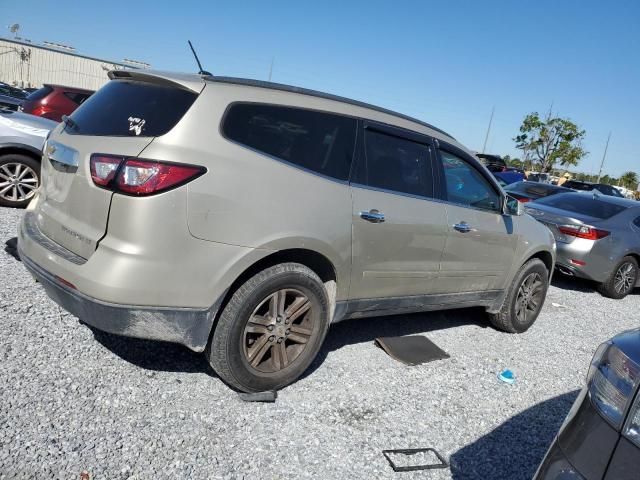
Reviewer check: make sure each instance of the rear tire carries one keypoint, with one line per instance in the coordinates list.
(19, 180)
(524, 301)
(622, 281)
(271, 329)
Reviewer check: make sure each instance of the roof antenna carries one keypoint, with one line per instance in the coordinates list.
(201, 72)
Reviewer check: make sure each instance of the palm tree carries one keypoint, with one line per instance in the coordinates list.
(629, 180)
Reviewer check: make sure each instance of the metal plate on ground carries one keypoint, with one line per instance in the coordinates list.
(411, 350)
(424, 459)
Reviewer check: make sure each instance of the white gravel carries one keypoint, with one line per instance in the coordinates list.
(74, 400)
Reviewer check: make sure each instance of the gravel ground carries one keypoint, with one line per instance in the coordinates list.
(74, 400)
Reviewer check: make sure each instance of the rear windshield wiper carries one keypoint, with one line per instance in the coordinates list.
(69, 122)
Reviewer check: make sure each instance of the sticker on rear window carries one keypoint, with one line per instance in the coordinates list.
(136, 125)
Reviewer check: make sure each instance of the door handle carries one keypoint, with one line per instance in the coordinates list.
(373, 216)
(463, 227)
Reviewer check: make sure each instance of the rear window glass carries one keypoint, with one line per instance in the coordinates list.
(583, 204)
(39, 94)
(77, 97)
(534, 189)
(123, 108)
(319, 141)
(578, 185)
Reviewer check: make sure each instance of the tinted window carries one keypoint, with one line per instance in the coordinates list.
(124, 108)
(322, 142)
(39, 94)
(578, 185)
(77, 97)
(583, 204)
(396, 164)
(466, 185)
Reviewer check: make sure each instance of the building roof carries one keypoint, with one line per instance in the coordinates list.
(63, 52)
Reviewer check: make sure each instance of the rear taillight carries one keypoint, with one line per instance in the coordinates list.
(524, 200)
(40, 110)
(612, 381)
(582, 231)
(134, 176)
(104, 168)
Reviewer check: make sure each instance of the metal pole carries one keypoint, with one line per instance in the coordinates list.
(486, 137)
(271, 68)
(604, 155)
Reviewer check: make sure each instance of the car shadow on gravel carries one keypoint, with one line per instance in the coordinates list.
(152, 355)
(575, 284)
(365, 330)
(514, 449)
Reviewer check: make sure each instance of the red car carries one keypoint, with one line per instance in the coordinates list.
(54, 101)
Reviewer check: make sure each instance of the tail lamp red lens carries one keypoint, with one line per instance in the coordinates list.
(524, 200)
(582, 231)
(134, 176)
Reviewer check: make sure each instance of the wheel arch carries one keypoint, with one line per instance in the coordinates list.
(317, 262)
(20, 149)
(547, 259)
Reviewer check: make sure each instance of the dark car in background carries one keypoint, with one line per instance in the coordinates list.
(600, 438)
(54, 101)
(589, 187)
(499, 169)
(597, 238)
(11, 97)
(528, 191)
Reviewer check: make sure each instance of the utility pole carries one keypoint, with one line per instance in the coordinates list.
(271, 68)
(604, 155)
(486, 137)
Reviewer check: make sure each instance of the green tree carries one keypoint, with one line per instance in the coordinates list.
(629, 180)
(550, 141)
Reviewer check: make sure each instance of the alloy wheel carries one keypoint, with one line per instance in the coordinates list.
(529, 297)
(278, 331)
(624, 278)
(18, 182)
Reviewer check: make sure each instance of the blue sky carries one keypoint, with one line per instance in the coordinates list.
(447, 63)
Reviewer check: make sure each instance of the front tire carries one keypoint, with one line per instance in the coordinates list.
(271, 329)
(19, 180)
(525, 298)
(622, 281)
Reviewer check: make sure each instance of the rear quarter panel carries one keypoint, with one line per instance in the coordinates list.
(250, 200)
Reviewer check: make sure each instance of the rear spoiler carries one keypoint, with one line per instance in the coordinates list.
(194, 83)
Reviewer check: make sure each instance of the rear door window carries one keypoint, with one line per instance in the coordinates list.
(396, 164)
(583, 204)
(318, 141)
(123, 108)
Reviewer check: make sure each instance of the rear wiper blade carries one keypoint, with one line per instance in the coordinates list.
(69, 122)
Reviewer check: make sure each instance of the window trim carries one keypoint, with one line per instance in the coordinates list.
(458, 152)
(221, 132)
(397, 132)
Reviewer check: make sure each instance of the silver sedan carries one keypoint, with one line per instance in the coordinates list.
(21, 139)
(597, 237)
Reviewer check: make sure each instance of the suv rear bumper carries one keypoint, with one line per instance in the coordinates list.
(187, 326)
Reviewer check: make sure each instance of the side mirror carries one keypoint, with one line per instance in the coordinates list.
(513, 207)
